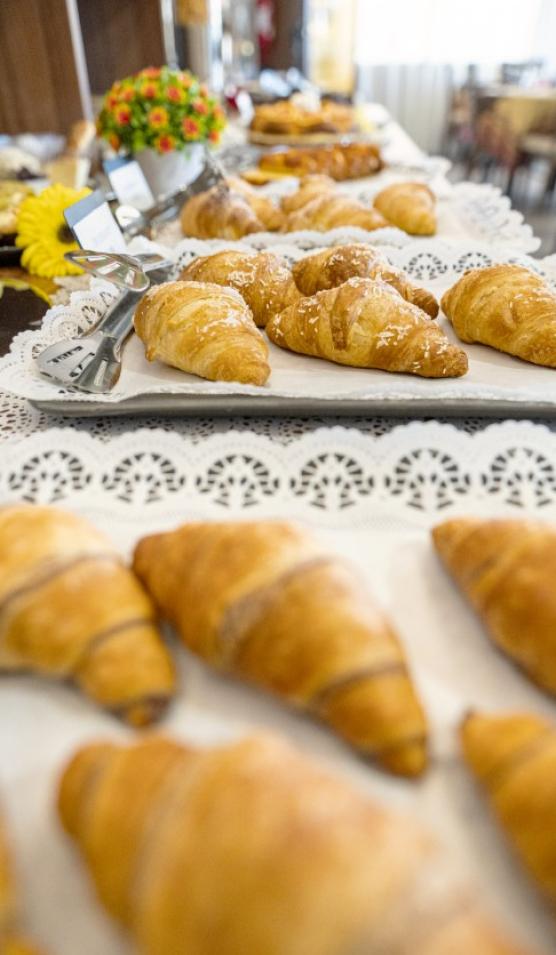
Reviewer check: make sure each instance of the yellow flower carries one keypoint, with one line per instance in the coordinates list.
(43, 234)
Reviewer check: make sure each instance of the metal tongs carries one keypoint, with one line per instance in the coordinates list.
(93, 361)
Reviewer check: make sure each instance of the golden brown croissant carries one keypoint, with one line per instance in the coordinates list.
(10, 942)
(70, 609)
(513, 756)
(250, 849)
(263, 601)
(309, 188)
(203, 329)
(263, 280)
(264, 208)
(409, 206)
(367, 324)
(333, 266)
(508, 307)
(292, 118)
(340, 161)
(331, 211)
(507, 569)
(219, 213)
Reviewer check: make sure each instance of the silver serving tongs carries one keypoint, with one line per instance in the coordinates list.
(93, 361)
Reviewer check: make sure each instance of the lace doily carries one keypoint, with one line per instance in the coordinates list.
(493, 377)
(331, 476)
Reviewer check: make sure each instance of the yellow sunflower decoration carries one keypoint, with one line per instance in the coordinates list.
(43, 234)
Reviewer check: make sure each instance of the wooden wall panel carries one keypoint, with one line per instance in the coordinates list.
(41, 89)
(120, 37)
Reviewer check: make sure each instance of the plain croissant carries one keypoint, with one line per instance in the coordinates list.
(10, 942)
(408, 205)
(367, 324)
(309, 188)
(263, 280)
(203, 329)
(507, 570)
(250, 849)
(507, 307)
(264, 208)
(513, 756)
(332, 210)
(71, 609)
(219, 212)
(263, 601)
(331, 267)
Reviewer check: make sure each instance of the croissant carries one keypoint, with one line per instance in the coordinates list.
(10, 942)
(263, 280)
(70, 609)
(333, 266)
(349, 161)
(331, 211)
(250, 849)
(513, 756)
(219, 213)
(263, 601)
(506, 569)
(204, 329)
(508, 307)
(367, 324)
(410, 206)
(269, 214)
(309, 188)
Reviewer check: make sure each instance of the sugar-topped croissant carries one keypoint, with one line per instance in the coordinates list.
(309, 188)
(408, 205)
(333, 266)
(513, 756)
(507, 570)
(219, 212)
(332, 210)
(10, 942)
(71, 609)
(263, 280)
(250, 849)
(264, 208)
(507, 307)
(367, 324)
(204, 329)
(262, 600)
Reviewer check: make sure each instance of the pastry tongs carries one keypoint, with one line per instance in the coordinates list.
(93, 361)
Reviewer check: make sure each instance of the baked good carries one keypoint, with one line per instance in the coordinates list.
(506, 569)
(366, 323)
(311, 187)
(16, 163)
(219, 213)
(263, 280)
(12, 194)
(294, 118)
(264, 208)
(341, 161)
(265, 602)
(333, 266)
(513, 757)
(408, 205)
(507, 307)
(71, 609)
(204, 329)
(332, 210)
(250, 849)
(10, 942)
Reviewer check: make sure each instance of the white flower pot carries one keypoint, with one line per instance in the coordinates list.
(166, 172)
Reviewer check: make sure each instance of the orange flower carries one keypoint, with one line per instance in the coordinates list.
(190, 128)
(165, 144)
(114, 141)
(200, 107)
(111, 101)
(185, 78)
(174, 94)
(158, 117)
(123, 115)
(203, 89)
(214, 136)
(128, 95)
(149, 90)
(152, 72)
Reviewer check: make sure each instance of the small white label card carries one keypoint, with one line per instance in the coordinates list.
(93, 225)
(128, 182)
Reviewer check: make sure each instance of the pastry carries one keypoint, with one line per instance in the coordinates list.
(513, 757)
(10, 942)
(366, 323)
(15, 163)
(349, 161)
(264, 208)
(204, 329)
(12, 194)
(311, 187)
(263, 601)
(263, 280)
(410, 206)
(293, 118)
(333, 266)
(506, 569)
(331, 211)
(507, 307)
(250, 849)
(219, 213)
(70, 609)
